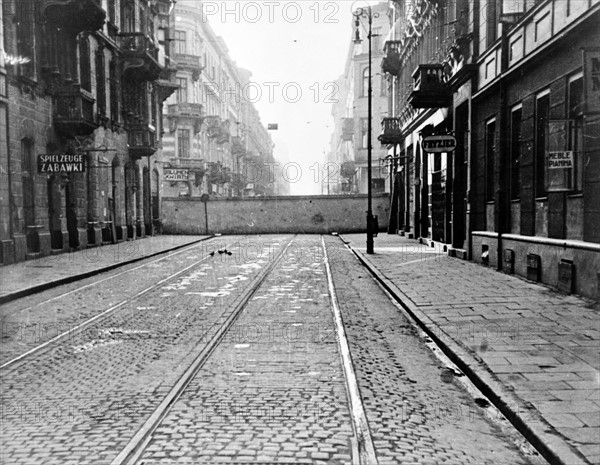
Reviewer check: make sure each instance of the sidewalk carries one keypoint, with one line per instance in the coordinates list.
(534, 352)
(28, 277)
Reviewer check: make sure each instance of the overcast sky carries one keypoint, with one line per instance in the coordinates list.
(295, 51)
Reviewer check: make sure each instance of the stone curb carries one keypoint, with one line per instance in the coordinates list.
(77, 277)
(549, 443)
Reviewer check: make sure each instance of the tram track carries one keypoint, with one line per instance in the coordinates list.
(135, 447)
(78, 329)
(361, 444)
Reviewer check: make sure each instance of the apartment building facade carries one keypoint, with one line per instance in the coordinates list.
(349, 143)
(511, 88)
(215, 143)
(84, 84)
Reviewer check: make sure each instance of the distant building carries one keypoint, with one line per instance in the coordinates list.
(350, 113)
(215, 142)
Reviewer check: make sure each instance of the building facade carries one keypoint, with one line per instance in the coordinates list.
(83, 83)
(214, 143)
(511, 89)
(349, 143)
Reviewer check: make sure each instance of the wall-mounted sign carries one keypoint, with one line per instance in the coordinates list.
(61, 163)
(175, 175)
(560, 160)
(439, 143)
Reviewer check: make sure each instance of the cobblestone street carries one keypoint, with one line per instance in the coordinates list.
(230, 351)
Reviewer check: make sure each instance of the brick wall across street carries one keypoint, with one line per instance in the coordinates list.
(273, 215)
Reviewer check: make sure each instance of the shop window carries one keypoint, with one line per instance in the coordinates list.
(542, 113)
(575, 107)
(490, 160)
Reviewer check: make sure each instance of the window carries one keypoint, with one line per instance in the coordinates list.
(376, 39)
(183, 143)
(542, 113)
(365, 83)
(180, 42)
(384, 86)
(515, 152)
(114, 91)
(364, 132)
(101, 82)
(182, 92)
(85, 67)
(490, 160)
(112, 11)
(575, 108)
(492, 22)
(26, 37)
(128, 18)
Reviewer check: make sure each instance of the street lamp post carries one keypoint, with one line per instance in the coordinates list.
(368, 14)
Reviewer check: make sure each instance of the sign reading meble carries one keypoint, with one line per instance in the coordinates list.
(61, 163)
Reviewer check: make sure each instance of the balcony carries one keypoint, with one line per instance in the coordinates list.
(429, 88)
(140, 56)
(391, 131)
(391, 60)
(74, 15)
(142, 141)
(74, 112)
(189, 63)
(347, 129)
(186, 110)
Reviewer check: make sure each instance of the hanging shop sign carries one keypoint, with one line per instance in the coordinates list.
(61, 163)
(176, 175)
(438, 143)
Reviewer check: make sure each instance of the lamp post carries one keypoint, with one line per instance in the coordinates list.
(369, 15)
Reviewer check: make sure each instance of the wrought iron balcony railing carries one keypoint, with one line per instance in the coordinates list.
(140, 55)
(142, 140)
(391, 131)
(429, 87)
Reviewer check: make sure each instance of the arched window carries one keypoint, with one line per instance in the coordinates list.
(365, 82)
(128, 19)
